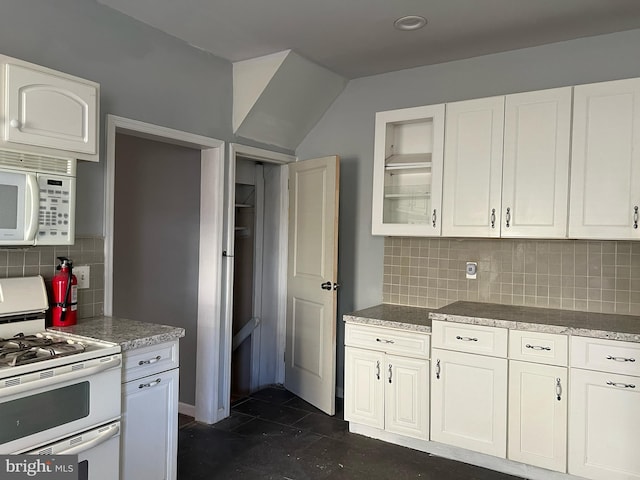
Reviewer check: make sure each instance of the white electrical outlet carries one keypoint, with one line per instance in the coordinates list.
(82, 273)
(472, 270)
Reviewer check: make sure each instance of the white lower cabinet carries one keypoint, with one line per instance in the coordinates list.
(150, 413)
(469, 401)
(387, 380)
(604, 410)
(538, 415)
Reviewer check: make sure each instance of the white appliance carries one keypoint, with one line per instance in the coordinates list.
(59, 393)
(37, 199)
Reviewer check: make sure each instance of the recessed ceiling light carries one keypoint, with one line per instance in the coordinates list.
(410, 22)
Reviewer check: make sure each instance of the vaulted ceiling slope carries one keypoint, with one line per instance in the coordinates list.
(356, 38)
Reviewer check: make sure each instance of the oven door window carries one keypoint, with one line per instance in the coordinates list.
(35, 413)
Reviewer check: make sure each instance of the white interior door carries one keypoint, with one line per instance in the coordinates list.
(310, 353)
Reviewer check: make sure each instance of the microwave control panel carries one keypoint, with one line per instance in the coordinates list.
(56, 225)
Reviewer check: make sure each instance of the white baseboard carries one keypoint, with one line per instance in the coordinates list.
(186, 409)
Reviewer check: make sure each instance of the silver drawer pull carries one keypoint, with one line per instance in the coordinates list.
(538, 347)
(150, 361)
(433, 218)
(438, 369)
(493, 218)
(620, 359)
(390, 372)
(150, 384)
(558, 389)
(378, 369)
(467, 339)
(620, 385)
(384, 340)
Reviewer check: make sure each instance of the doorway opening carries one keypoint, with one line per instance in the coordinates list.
(254, 290)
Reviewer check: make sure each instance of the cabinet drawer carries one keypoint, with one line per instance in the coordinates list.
(470, 338)
(605, 355)
(389, 340)
(145, 361)
(548, 348)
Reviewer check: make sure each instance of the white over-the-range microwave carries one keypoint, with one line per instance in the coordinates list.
(37, 199)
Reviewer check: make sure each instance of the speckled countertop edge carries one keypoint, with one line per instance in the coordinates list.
(533, 319)
(129, 334)
(566, 322)
(393, 316)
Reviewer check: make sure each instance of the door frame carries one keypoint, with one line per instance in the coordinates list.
(210, 260)
(266, 156)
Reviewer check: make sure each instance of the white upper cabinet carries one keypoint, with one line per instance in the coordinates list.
(473, 168)
(506, 168)
(407, 172)
(47, 112)
(605, 168)
(535, 167)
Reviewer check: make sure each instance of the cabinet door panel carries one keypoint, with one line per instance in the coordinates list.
(364, 387)
(49, 110)
(150, 427)
(407, 396)
(407, 173)
(604, 421)
(537, 417)
(472, 176)
(469, 401)
(605, 161)
(535, 170)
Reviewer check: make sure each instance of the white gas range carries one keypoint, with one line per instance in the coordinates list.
(59, 393)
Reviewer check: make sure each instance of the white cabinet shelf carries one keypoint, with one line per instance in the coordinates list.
(407, 174)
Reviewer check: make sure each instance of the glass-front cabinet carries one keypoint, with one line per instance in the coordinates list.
(407, 174)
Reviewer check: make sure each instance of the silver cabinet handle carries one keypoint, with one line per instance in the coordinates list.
(384, 340)
(438, 369)
(325, 286)
(433, 218)
(558, 389)
(378, 369)
(538, 347)
(390, 372)
(150, 361)
(635, 217)
(508, 216)
(467, 339)
(150, 384)
(620, 359)
(620, 385)
(493, 218)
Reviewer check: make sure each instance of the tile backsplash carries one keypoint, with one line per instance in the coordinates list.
(25, 262)
(594, 276)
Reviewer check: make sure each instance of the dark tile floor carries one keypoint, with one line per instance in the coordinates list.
(275, 435)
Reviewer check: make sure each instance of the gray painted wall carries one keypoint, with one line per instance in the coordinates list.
(144, 74)
(347, 130)
(156, 240)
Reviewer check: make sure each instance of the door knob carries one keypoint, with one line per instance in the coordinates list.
(14, 123)
(325, 286)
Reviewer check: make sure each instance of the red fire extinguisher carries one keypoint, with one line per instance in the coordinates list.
(65, 295)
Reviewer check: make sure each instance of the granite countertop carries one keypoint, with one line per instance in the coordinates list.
(394, 316)
(568, 322)
(129, 334)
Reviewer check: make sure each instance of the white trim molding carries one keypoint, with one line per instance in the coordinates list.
(210, 261)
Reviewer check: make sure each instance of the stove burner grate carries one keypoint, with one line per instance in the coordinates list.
(24, 349)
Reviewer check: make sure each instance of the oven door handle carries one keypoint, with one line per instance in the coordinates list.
(45, 382)
(82, 447)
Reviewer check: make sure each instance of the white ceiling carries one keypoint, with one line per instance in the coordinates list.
(356, 38)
